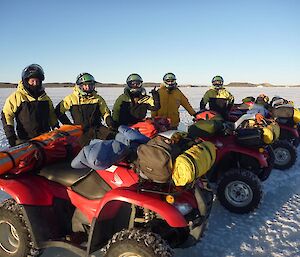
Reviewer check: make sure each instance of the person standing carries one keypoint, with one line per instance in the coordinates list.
(30, 106)
(171, 98)
(87, 109)
(218, 97)
(132, 106)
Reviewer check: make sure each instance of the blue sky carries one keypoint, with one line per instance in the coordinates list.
(254, 41)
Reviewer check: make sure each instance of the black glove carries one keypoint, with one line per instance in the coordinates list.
(12, 140)
(154, 93)
(110, 122)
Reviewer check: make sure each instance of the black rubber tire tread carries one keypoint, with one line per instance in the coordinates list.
(247, 177)
(291, 149)
(141, 242)
(11, 211)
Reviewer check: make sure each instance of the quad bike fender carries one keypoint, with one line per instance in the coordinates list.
(33, 191)
(260, 157)
(292, 130)
(167, 211)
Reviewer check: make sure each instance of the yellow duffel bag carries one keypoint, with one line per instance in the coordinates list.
(193, 163)
(271, 132)
(268, 137)
(296, 116)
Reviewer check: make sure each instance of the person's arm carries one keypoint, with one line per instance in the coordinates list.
(106, 114)
(153, 103)
(204, 100)
(156, 99)
(52, 116)
(7, 117)
(185, 103)
(117, 108)
(60, 110)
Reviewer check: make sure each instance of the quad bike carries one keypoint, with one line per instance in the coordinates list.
(284, 148)
(238, 172)
(124, 215)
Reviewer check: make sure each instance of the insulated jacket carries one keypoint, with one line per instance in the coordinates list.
(34, 116)
(87, 111)
(215, 93)
(170, 101)
(127, 112)
(220, 100)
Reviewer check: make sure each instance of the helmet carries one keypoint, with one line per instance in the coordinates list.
(86, 83)
(133, 77)
(217, 81)
(262, 99)
(33, 71)
(170, 80)
(134, 85)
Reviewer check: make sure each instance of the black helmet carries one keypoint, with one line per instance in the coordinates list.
(170, 80)
(33, 71)
(85, 79)
(134, 85)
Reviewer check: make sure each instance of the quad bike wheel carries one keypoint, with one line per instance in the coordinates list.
(137, 243)
(239, 191)
(15, 239)
(285, 154)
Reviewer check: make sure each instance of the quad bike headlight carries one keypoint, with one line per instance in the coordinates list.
(183, 208)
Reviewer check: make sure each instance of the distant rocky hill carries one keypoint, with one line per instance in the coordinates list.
(146, 84)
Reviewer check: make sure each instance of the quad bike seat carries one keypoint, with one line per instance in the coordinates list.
(63, 173)
(85, 182)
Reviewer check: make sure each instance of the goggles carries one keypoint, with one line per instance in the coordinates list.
(135, 84)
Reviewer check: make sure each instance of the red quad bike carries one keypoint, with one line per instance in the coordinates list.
(238, 172)
(284, 148)
(124, 215)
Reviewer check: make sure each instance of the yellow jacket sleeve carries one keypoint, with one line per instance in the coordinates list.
(9, 109)
(103, 108)
(185, 103)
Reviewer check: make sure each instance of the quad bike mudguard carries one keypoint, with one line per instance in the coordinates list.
(293, 131)
(30, 190)
(227, 145)
(169, 213)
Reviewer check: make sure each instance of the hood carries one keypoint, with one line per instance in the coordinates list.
(23, 90)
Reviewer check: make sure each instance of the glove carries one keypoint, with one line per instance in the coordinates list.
(110, 122)
(154, 93)
(12, 140)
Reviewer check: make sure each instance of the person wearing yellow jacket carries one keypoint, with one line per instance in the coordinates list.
(30, 106)
(87, 109)
(171, 98)
(218, 97)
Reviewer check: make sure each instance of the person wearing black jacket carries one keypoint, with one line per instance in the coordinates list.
(30, 106)
(132, 106)
(87, 109)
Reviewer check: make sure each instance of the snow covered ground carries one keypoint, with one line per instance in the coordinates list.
(272, 230)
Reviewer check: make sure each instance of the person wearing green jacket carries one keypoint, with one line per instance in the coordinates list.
(30, 107)
(132, 106)
(218, 97)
